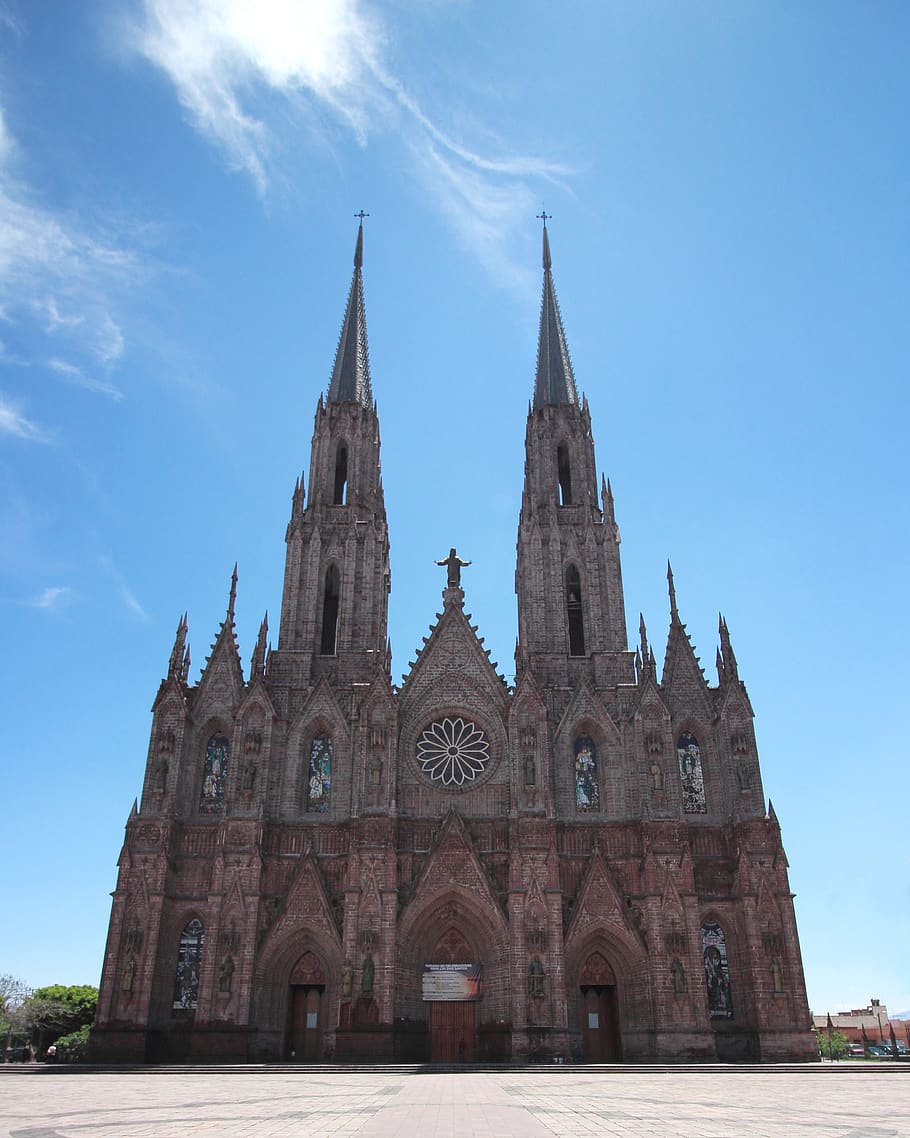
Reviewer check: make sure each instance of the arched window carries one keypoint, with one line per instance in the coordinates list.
(587, 794)
(189, 965)
(330, 601)
(691, 777)
(319, 775)
(214, 774)
(339, 494)
(717, 971)
(574, 613)
(564, 474)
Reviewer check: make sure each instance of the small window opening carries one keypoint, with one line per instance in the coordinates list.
(341, 477)
(574, 613)
(565, 475)
(330, 611)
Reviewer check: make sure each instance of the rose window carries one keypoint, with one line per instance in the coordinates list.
(453, 752)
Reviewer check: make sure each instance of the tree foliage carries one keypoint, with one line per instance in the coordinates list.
(832, 1045)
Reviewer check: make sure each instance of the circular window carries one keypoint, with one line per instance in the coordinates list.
(453, 751)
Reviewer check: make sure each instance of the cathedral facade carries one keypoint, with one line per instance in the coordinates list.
(324, 865)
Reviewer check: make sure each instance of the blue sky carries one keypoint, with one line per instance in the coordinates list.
(729, 188)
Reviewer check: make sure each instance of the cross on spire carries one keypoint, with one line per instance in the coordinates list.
(544, 217)
(361, 215)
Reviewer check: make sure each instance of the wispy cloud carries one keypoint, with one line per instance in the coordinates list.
(223, 56)
(53, 598)
(74, 374)
(60, 277)
(124, 592)
(13, 422)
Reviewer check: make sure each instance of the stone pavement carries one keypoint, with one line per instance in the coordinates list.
(850, 1100)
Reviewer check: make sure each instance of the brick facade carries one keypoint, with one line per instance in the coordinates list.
(595, 838)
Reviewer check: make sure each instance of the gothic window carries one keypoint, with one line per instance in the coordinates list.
(691, 776)
(564, 474)
(319, 775)
(214, 773)
(717, 972)
(587, 794)
(189, 964)
(574, 613)
(339, 494)
(330, 601)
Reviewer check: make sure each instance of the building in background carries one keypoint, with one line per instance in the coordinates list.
(581, 865)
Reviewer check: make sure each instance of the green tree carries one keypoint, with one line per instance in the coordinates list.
(45, 1014)
(832, 1045)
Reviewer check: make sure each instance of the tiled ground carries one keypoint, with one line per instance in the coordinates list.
(846, 1101)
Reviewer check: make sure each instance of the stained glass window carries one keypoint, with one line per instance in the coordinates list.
(717, 972)
(587, 795)
(319, 775)
(214, 773)
(189, 964)
(690, 774)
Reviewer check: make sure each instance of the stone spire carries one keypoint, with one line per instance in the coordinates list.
(555, 382)
(179, 653)
(350, 381)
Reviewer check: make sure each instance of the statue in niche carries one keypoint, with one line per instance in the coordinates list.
(226, 977)
(657, 776)
(161, 772)
(777, 975)
(454, 565)
(678, 976)
(129, 974)
(347, 979)
(248, 781)
(368, 975)
(375, 771)
(536, 976)
(530, 771)
(744, 776)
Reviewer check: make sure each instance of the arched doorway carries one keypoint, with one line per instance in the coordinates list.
(599, 1011)
(306, 1010)
(453, 1027)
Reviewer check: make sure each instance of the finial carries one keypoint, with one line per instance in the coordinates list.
(233, 595)
(643, 633)
(547, 262)
(674, 611)
(358, 251)
(177, 652)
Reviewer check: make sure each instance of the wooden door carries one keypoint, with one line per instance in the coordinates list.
(600, 1024)
(452, 1031)
(305, 1042)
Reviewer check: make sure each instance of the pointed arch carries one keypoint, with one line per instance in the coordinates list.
(331, 601)
(564, 474)
(340, 482)
(717, 969)
(215, 761)
(691, 773)
(575, 612)
(189, 965)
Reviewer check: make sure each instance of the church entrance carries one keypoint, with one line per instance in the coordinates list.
(451, 1031)
(599, 1012)
(306, 1010)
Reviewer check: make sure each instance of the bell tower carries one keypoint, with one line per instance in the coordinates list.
(571, 619)
(334, 608)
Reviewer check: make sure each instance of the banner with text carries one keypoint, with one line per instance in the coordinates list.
(452, 981)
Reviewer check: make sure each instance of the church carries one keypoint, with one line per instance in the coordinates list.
(581, 866)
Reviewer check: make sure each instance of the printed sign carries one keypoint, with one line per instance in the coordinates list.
(452, 981)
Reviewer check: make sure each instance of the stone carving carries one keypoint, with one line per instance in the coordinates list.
(226, 976)
(678, 976)
(129, 974)
(367, 975)
(347, 979)
(536, 979)
(454, 565)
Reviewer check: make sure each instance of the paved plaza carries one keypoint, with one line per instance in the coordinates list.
(828, 1101)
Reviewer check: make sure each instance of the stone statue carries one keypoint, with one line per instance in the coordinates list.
(777, 975)
(530, 771)
(535, 978)
(226, 977)
(375, 770)
(161, 775)
(249, 778)
(657, 776)
(129, 974)
(454, 565)
(347, 979)
(368, 975)
(678, 973)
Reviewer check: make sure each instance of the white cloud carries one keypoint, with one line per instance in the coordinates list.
(123, 590)
(13, 422)
(74, 374)
(53, 598)
(223, 56)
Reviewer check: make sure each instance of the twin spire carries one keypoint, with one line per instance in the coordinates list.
(350, 383)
